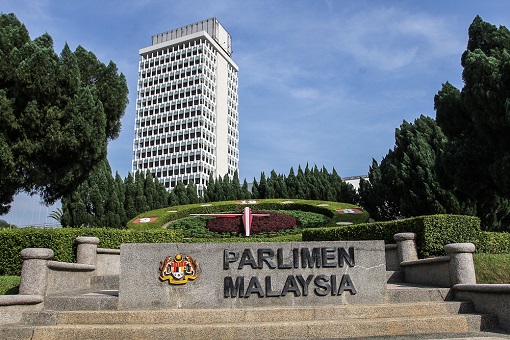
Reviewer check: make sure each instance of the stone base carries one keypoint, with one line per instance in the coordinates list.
(235, 275)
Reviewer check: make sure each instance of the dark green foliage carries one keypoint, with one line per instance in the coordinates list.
(58, 112)
(5, 224)
(476, 121)
(493, 243)
(459, 163)
(433, 232)
(405, 183)
(62, 242)
(139, 188)
(180, 192)
(312, 184)
(104, 201)
(245, 192)
(97, 202)
(129, 197)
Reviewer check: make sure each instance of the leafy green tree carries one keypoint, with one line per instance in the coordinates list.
(6, 225)
(245, 192)
(180, 192)
(150, 191)
(376, 195)
(96, 202)
(130, 197)
(236, 186)
(161, 199)
(57, 215)
(408, 173)
(58, 113)
(292, 184)
(191, 191)
(120, 191)
(476, 121)
(210, 191)
(227, 188)
(173, 199)
(342, 191)
(263, 188)
(255, 189)
(302, 186)
(139, 193)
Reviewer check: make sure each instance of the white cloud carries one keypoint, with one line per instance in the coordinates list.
(388, 38)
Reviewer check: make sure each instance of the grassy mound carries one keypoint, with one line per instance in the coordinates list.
(335, 212)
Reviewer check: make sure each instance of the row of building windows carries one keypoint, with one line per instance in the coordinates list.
(180, 104)
(172, 162)
(169, 173)
(196, 144)
(190, 125)
(181, 74)
(191, 156)
(157, 115)
(196, 141)
(175, 72)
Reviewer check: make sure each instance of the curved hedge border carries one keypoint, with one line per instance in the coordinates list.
(326, 208)
(433, 232)
(61, 241)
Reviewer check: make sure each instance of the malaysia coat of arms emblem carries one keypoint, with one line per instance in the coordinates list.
(178, 270)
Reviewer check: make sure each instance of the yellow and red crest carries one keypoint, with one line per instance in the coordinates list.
(178, 270)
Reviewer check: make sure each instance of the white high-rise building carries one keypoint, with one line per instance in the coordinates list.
(186, 125)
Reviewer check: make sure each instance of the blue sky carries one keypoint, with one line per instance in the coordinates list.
(324, 82)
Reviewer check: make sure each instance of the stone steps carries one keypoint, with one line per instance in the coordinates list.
(343, 321)
(89, 300)
(409, 311)
(281, 314)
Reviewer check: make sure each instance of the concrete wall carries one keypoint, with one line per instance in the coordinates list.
(107, 262)
(392, 261)
(434, 271)
(487, 298)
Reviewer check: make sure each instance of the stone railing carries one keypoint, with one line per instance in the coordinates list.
(446, 271)
(40, 276)
(455, 270)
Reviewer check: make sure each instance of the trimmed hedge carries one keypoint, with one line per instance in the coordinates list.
(328, 209)
(433, 232)
(493, 243)
(61, 241)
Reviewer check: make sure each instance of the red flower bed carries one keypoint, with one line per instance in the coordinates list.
(272, 223)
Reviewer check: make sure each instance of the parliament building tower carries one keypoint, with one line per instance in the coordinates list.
(186, 124)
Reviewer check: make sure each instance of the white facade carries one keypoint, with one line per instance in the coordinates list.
(186, 124)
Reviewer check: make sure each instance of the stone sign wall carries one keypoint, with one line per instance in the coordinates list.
(230, 275)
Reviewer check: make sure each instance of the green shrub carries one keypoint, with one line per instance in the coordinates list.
(493, 243)
(62, 242)
(433, 232)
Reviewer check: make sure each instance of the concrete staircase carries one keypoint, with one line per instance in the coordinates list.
(408, 311)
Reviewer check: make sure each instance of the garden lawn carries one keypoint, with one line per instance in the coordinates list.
(9, 284)
(492, 268)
